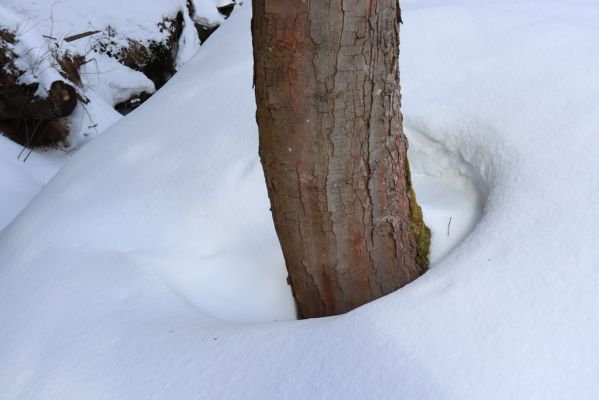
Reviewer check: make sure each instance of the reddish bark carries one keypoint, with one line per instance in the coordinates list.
(333, 150)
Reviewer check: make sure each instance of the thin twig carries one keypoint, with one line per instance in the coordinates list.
(28, 154)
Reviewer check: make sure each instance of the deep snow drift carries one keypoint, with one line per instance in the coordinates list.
(117, 281)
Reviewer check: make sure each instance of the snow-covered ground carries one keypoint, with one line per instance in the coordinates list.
(149, 267)
(41, 27)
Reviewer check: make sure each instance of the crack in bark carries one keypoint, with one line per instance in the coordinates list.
(333, 150)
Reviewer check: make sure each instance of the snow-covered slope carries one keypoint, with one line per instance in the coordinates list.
(40, 27)
(118, 280)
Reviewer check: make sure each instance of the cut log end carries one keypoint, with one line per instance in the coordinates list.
(33, 121)
(63, 99)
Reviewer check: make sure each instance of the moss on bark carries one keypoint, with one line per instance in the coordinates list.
(421, 232)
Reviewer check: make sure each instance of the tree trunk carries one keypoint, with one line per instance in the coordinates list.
(334, 152)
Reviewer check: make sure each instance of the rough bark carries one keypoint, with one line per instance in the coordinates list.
(333, 150)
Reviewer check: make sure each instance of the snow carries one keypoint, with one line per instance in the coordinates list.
(59, 19)
(19, 185)
(207, 14)
(114, 83)
(105, 82)
(149, 267)
(449, 189)
(189, 43)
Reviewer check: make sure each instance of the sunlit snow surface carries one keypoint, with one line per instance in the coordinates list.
(119, 279)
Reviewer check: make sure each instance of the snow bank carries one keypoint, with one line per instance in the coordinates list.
(120, 286)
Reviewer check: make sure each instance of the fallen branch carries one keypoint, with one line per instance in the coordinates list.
(80, 36)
